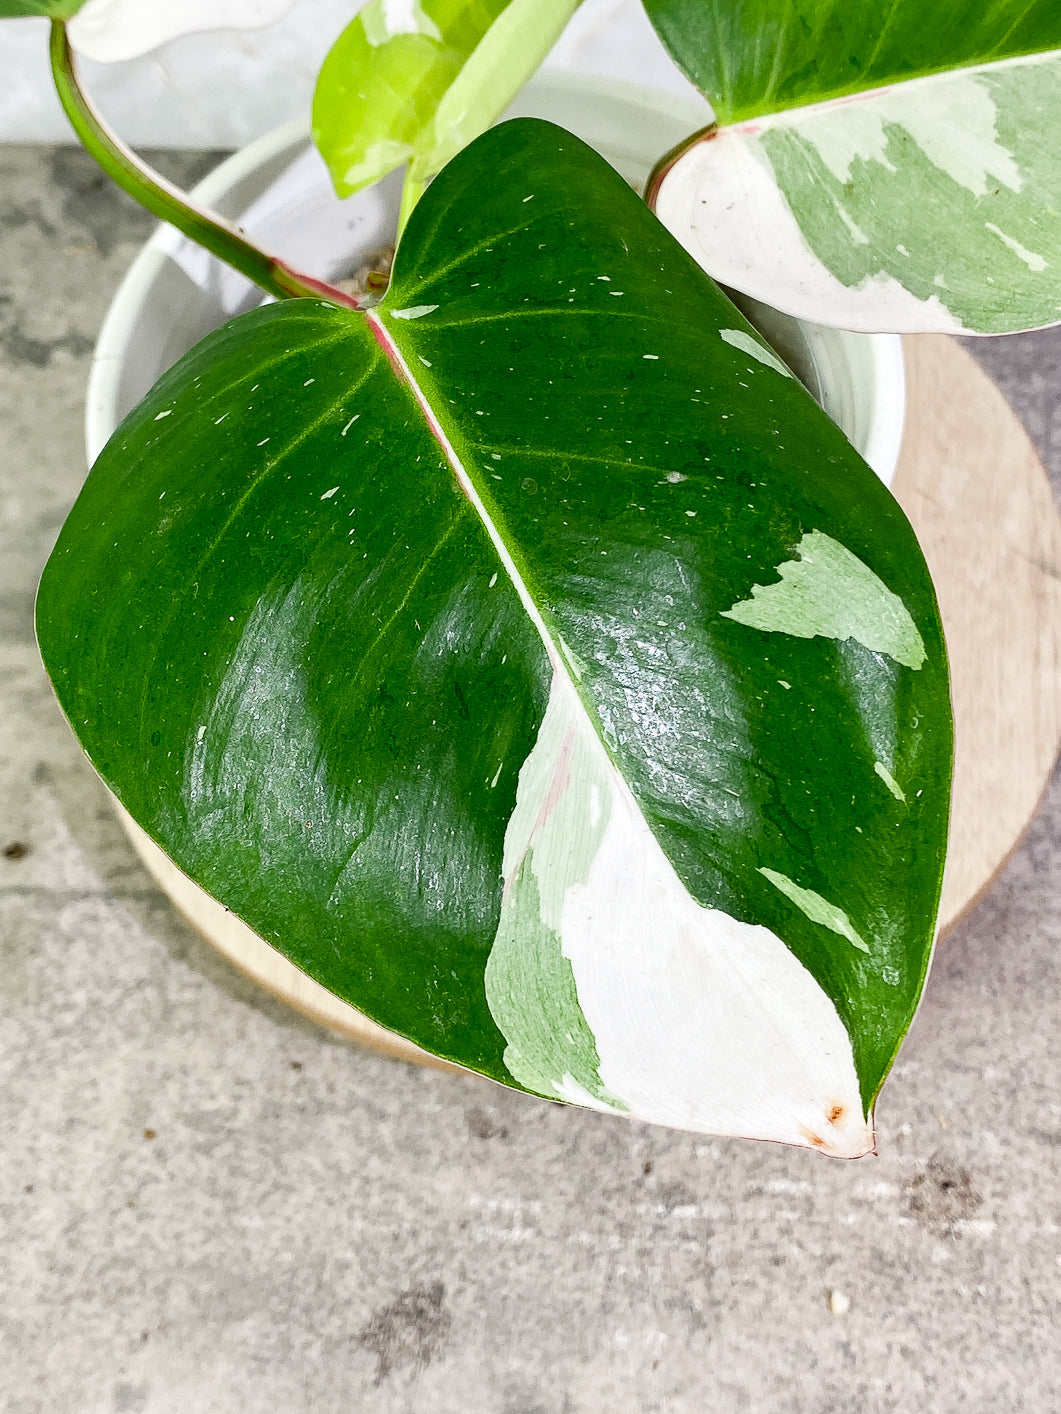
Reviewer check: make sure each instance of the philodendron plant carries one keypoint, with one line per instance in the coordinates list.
(524, 653)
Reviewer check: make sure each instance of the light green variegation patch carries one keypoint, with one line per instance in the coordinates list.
(601, 950)
(818, 909)
(889, 780)
(555, 831)
(416, 80)
(758, 350)
(50, 9)
(928, 206)
(415, 311)
(829, 593)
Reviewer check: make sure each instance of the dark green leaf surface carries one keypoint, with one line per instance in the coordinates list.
(752, 57)
(297, 615)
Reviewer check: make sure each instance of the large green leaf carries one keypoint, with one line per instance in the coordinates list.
(875, 170)
(533, 663)
(417, 82)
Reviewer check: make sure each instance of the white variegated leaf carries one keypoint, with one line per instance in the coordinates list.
(600, 946)
(931, 205)
(113, 30)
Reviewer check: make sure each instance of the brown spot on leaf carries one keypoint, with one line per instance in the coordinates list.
(16, 850)
(150, 1134)
(836, 1114)
(814, 1140)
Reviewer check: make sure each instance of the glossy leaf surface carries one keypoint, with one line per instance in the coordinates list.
(755, 57)
(417, 82)
(923, 205)
(533, 663)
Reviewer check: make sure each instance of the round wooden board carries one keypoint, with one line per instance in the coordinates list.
(978, 498)
(974, 489)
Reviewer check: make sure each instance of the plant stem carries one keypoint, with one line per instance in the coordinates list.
(412, 190)
(218, 235)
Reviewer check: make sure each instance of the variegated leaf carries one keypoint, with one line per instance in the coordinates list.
(533, 663)
(416, 80)
(905, 179)
(113, 30)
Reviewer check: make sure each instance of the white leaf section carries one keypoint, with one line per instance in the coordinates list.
(385, 21)
(114, 30)
(928, 206)
(721, 200)
(698, 1021)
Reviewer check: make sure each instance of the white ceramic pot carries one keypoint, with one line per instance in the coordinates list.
(280, 193)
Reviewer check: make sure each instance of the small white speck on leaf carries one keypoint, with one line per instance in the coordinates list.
(528, 198)
(425, 361)
(415, 311)
(263, 442)
(305, 385)
(652, 356)
(839, 1302)
(220, 419)
(350, 424)
(329, 494)
(161, 415)
(493, 581)
(690, 513)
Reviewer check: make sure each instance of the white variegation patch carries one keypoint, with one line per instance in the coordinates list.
(759, 350)
(802, 209)
(744, 234)
(687, 1017)
(953, 123)
(114, 30)
(386, 19)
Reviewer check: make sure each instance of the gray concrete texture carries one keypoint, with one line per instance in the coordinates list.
(207, 1205)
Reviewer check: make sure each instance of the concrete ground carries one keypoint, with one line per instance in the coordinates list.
(209, 1206)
